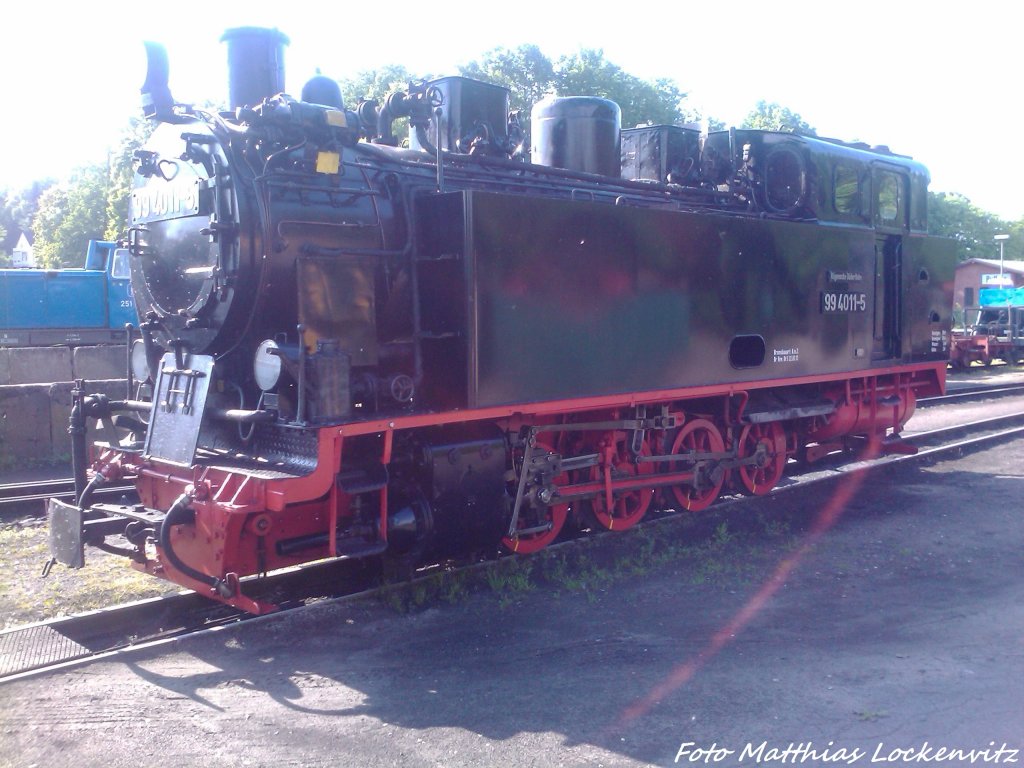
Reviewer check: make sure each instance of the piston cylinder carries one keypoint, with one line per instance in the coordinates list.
(862, 417)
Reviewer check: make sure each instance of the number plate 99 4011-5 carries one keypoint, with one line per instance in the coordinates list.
(843, 301)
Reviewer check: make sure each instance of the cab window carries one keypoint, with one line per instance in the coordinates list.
(121, 268)
(890, 199)
(846, 189)
(784, 180)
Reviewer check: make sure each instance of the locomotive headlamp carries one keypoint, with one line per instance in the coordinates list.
(140, 365)
(266, 365)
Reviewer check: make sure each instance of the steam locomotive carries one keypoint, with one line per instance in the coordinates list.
(352, 348)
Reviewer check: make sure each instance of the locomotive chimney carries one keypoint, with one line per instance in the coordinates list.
(255, 64)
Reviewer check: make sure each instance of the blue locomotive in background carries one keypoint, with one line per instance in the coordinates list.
(42, 307)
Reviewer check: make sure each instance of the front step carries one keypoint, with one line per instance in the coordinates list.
(71, 526)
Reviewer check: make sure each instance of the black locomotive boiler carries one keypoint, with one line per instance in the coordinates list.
(351, 348)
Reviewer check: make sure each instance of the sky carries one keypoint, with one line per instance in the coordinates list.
(934, 80)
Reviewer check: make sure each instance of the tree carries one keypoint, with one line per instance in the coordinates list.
(69, 216)
(955, 216)
(121, 174)
(5, 222)
(525, 71)
(530, 76)
(374, 84)
(588, 73)
(92, 204)
(772, 117)
(17, 209)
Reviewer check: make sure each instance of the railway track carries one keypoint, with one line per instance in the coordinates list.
(28, 498)
(36, 648)
(967, 394)
(41, 490)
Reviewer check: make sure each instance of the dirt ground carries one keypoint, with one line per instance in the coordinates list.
(888, 630)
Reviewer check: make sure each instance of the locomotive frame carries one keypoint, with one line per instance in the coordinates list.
(452, 347)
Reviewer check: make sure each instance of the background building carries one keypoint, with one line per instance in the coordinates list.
(968, 278)
(22, 256)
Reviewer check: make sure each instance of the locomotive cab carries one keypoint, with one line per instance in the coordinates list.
(801, 176)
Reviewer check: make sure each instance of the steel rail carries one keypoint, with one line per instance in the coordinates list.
(13, 495)
(972, 393)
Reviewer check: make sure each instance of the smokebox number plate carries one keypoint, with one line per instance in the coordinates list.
(843, 301)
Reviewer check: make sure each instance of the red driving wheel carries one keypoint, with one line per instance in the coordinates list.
(628, 507)
(698, 436)
(758, 479)
(533, 517)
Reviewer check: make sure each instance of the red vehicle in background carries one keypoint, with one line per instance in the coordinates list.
(992, 331)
